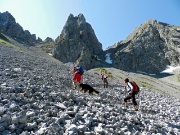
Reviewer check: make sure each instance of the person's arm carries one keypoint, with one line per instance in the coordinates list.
(125, 88)
(72, 71)
(130, 87)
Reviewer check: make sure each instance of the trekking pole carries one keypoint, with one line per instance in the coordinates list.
(81, 78)
(70, 81)
(124, 88)
(125, 91)
(139, 99)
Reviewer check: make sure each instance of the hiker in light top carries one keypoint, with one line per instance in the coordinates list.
(131, 94)
(104, 77)
(77, 77)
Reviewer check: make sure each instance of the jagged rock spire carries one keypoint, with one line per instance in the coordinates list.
(76, 35)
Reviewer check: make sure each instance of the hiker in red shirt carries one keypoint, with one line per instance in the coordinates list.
(131, 94)
(77, 76)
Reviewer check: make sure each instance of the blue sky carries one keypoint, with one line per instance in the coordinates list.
(112, 20)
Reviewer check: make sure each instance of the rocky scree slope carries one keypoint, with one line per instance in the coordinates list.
(36, 98)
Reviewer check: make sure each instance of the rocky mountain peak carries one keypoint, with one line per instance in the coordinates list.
(151, 21)
(6, 16)
(77, 24)
(81, 19)
(76, 35)
(9, 27)
(149, 48)
(48, 40)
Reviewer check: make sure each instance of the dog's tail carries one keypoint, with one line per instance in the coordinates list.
(97, 92)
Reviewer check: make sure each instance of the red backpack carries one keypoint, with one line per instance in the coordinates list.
(135, 87)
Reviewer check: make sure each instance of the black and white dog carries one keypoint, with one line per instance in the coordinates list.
(86, 87)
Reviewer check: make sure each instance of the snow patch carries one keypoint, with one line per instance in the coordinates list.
(170, 69)
(108, 59)
(97, 57)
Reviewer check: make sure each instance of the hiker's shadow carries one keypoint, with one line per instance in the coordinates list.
(172, 125)
(162, 75)
(148, 111)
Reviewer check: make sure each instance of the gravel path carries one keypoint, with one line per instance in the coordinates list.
(37, 99)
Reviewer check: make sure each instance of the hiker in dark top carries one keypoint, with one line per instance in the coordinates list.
(77, 77)
(104, 78)
(131, 94)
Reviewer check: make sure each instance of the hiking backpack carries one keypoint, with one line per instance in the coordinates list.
(80, 70)
(135, 87)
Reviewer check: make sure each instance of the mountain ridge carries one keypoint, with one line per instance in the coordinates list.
(9, 27)
(149, 48)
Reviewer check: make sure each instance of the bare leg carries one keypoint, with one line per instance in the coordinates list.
(126, 104)
(75, 84)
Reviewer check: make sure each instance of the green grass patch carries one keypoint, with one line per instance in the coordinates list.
(146, 85)
(11, 45)
(103, 70)
(2, 41)
(3, 37)
(176, 27)
(96, 69)
(47, 47)
(53, 59)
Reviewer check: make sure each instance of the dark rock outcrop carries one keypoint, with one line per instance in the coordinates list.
(78, 43)
(150, 48)
(47, 45)
(9, 27)
(48, 40)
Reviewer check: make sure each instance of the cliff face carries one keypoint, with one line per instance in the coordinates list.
(78, 43)
(9, 27)
(150, 48)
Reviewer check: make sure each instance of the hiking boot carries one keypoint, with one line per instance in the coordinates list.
(136, 108)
